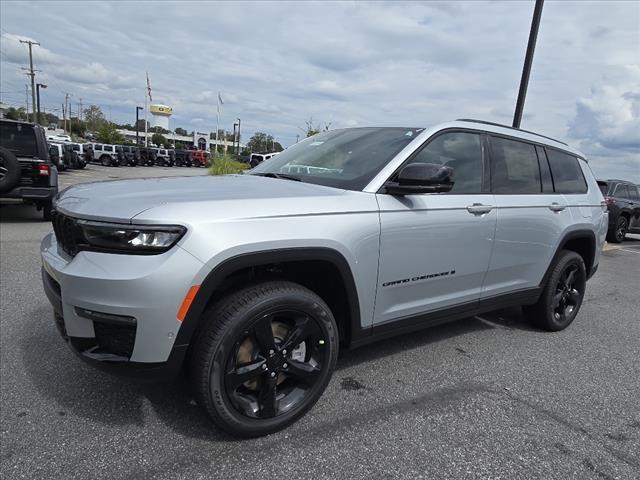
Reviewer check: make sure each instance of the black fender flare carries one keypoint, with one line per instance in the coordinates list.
(573, 235)
(256, 259)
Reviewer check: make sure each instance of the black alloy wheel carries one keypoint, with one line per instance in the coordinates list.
(562, 296)
(621, 229)
(264, 358)
(269, 371)
(567, 297)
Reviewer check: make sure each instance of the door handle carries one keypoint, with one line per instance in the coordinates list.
(556, 207)
(479, 208)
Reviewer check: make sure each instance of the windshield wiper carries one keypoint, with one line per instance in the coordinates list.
(279, 175)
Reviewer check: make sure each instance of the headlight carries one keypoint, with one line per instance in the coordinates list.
(130, 238)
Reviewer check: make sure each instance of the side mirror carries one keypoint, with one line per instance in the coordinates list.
(422, 178)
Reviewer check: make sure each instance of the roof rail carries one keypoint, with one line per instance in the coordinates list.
(509, 127)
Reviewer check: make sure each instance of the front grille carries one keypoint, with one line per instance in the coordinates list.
(115, 339)
(68, 233)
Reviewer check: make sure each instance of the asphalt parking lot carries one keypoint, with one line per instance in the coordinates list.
(485, 397)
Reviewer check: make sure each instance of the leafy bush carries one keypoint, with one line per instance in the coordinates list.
(225, 165)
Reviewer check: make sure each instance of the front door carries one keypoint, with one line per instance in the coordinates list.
(435, 248)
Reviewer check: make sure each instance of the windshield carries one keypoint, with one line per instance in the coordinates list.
(18, 138)
(348, 158)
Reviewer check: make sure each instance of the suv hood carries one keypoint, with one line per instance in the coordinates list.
(180, 198)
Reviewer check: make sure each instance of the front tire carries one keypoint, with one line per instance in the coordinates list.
(562, 296)
(264, 357)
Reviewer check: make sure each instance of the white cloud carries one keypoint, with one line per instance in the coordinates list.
(356, 63)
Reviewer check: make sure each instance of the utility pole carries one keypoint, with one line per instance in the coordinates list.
(66, 111)
(80, 110)
(64, 120)
(26, 91)
(38, 86)
(32, 74)
(528, 60)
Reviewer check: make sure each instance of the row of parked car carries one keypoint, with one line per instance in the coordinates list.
(129, 155)
(66, 154)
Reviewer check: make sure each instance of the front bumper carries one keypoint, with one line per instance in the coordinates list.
(118, 312)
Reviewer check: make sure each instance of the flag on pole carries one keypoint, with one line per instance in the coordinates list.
(220, 98)
(149, 88)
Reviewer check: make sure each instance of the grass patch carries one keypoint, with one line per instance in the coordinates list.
(225, 165)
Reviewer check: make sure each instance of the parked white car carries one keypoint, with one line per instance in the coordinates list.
(105, 154)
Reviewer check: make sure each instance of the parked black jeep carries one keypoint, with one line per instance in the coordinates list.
(131, 155)
(147, 156)
(184, 158)
(623, 203)
(26, 173)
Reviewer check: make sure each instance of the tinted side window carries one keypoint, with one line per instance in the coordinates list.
(621, 191)
(633, 193)
(545, 173)
(461, 151)
(514, 167)
(566, 172)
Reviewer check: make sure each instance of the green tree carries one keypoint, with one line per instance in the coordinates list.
(94, 118)
(13, 113)
(108, 133)
(262, 142)
(181, 131)
(311, 128)
(158, 139)
(77, 127)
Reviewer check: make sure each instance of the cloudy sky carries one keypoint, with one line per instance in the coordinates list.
(353, 63)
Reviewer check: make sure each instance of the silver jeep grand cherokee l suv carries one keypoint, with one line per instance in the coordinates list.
(254, 281)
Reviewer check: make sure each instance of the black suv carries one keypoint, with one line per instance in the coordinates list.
(623, 203)
(26, 173)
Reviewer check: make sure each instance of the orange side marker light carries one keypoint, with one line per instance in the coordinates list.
(186, 303)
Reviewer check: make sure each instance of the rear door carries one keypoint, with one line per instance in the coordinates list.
(435, 248)
(530, 216)
(634, 196)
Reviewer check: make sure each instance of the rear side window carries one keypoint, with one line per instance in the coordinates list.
(621, 191)
(633, 193)
(566, 172)
(604, 187)
(462, 151)
(19, 139)
(514, 167)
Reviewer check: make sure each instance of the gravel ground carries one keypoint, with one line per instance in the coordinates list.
(486, 397)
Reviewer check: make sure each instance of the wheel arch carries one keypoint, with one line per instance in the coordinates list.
(254, 266)
(583, 242)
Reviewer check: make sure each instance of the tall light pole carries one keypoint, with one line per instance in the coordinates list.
(138, 121)
(528, 60)
(239, 123)
(235, 137)
(38, 86)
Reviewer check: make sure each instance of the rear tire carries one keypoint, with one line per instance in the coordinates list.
(277, 336)
(105, 160)
(562, 296)
(618, 233)
(9, 170)
(46, 211)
